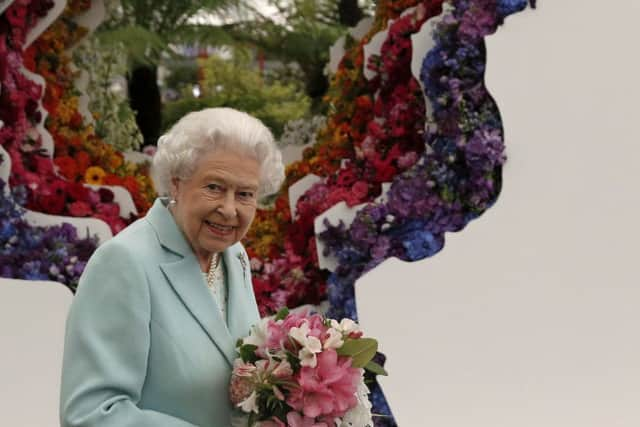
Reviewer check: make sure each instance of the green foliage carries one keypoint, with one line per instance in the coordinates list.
(281, 314)
(173, 111)
(238, 84)
(114, 120)
(248, 353)
(182, 75)
(360, 350)
(375, 368)
(149, 27)
(302, 34)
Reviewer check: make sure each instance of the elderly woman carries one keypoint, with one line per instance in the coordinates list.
(151, 333)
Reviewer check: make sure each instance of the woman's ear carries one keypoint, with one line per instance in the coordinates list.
(174, 188)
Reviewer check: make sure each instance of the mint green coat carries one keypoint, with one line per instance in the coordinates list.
(146, 345)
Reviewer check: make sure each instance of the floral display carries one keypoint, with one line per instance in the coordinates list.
(32, 167)
(458, 176)
(299, 369)
(54, 253)
(365, 143)
(78, 145)
(441, 178)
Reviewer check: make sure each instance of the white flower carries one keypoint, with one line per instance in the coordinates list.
(346, 326)
(310, 345)
(335, 339)
(308, 357)
(258, 335)
(249, 404)
(360, 415)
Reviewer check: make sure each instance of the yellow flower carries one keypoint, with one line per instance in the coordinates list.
(94, 175)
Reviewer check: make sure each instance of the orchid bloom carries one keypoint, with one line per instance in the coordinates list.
(346, 326)
(310, 345)
(334, 340)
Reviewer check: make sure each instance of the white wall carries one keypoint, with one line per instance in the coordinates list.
(32, 318)
(530, 315)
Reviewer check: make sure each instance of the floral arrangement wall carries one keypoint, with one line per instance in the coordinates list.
(81, 155)
(444, 169)
(32, 166)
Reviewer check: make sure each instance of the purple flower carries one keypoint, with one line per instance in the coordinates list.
(39, 253)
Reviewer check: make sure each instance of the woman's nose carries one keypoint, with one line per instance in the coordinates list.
(228, 207)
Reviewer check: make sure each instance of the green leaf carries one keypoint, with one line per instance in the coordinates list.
(280, 315)
(248, 353)
(293, 361)
(375, 368)
(361, 350)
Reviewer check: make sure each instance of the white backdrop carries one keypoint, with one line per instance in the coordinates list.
(530, 316)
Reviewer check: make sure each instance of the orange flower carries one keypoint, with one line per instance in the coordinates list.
(115, 160)
(94, 175)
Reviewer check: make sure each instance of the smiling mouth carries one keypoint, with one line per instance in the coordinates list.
(224, 229)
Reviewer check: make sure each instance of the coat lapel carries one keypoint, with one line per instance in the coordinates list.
(186, 279)
(241, 313)
(185, 276)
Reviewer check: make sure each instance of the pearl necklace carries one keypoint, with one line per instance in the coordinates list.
(216, 272)
(216, 283)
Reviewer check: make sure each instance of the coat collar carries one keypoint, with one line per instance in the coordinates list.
(170, 236)
(185, 276)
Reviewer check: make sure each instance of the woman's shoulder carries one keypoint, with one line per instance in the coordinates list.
(137, 241)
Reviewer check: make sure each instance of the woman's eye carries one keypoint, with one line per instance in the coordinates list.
(215, 187)
(246, 195)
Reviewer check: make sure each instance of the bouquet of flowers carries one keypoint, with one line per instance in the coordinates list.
(303, 370)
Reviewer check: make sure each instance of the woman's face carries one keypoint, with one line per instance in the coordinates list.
(216, 205)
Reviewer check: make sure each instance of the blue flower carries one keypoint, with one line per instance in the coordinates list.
(509, 7)
(421, 244)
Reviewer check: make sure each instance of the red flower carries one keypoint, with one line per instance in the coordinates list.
(112, 179)
(82, 160)
(360, 189)
(76, 120)
(131, 184)
(67, 167)
(80, 209)
(78, 192)
(51, 203)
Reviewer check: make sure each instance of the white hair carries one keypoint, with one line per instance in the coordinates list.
(200, 132)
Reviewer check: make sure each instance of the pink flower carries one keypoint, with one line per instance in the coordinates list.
(282, 370)
(274, 422)
(240, 389)
(294, 419)
(278, 332)
(328, 389)
(108, 209)
(242, 369)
